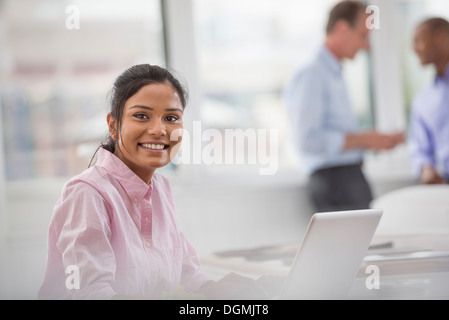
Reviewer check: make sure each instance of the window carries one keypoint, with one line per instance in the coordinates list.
(57, 66)
(247, 50)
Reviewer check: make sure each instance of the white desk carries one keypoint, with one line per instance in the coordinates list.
(402, 278)
(418, 286)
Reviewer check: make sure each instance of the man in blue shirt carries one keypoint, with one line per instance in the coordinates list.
(323, 122)
(429, 119)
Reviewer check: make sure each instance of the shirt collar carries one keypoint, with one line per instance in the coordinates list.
(445, 78)
(133, 185)
(331, 60)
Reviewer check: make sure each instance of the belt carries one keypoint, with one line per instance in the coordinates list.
(356, 165)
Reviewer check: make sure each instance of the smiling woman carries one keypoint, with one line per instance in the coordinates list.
(152, 112)
(115, 223)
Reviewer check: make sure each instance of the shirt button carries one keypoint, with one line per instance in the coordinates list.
(135, 199)
(147, 244)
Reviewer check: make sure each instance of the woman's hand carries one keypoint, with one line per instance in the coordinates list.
(237, 287)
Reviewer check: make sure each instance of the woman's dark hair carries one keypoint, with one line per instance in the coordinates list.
(348, 10)
(127, 84)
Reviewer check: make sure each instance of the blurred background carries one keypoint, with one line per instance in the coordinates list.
(58, 60)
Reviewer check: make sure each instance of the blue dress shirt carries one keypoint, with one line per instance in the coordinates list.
(429, 126)
(321, 113)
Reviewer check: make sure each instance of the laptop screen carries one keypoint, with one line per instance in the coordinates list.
(331, 254)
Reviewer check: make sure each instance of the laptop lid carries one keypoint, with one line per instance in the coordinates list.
(330, 255)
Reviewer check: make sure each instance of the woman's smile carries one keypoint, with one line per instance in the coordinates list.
(154, 146)
(149, 118)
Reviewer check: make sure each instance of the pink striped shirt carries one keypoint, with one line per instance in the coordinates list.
(121, 234)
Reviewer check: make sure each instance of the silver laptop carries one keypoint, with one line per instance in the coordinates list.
(330, 255)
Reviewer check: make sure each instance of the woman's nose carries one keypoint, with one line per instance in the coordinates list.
(157, 128)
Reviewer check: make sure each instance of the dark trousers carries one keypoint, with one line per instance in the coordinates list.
(339, 188)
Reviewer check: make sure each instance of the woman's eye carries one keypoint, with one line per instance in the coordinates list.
(172, 118)
(141, 116)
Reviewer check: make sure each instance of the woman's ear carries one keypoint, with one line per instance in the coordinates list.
(112, 125)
